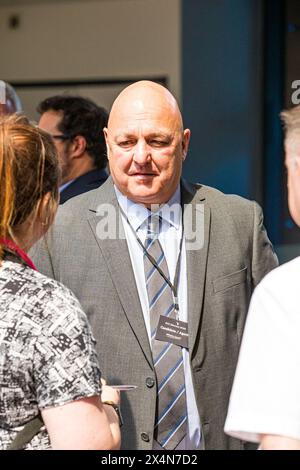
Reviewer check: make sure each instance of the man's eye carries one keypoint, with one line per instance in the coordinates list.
(158, 143)
(126, 143)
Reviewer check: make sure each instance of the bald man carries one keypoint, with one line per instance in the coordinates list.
(164, 270)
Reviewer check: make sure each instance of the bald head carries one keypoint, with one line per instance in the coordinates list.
(144, 97)
(146, 143)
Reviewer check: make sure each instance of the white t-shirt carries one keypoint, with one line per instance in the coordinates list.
(265, 397)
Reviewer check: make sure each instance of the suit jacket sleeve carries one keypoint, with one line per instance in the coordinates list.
(264, 258)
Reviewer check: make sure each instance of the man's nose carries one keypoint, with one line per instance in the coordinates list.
(142, 154)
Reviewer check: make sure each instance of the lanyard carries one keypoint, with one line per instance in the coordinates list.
(173, 286)
(16, 250)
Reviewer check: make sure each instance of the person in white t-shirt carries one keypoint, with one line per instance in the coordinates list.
(265, 399)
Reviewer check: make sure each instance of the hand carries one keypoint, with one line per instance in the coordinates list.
(109, 394)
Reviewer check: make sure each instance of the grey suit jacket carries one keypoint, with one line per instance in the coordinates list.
(221, 276)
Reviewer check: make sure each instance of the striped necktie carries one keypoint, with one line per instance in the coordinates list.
(171, 416)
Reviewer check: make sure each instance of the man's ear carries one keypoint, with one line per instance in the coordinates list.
(105, 132)
(185, 142)
(78, 146)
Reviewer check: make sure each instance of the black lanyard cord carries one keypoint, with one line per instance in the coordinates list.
(173, 286)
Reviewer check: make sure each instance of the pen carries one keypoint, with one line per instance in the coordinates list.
(123, 387)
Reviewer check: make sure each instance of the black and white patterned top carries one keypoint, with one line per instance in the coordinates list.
(47, 351)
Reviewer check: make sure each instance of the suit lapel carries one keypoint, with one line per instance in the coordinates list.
(116, 255)
(195, 209)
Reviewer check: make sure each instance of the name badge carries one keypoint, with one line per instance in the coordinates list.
(173, 331)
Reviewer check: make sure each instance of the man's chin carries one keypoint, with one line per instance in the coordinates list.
(146, 198)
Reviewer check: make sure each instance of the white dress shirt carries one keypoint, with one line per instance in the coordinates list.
(169, 237)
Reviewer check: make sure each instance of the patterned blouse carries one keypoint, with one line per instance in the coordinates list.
(47, 351)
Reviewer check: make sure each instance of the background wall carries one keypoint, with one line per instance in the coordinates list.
(104, 39)
(222, 93)
(210, 52)
(215, 55)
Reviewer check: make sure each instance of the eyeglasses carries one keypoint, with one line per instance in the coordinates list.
(61, 136)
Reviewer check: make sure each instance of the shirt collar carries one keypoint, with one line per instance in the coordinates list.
(64, 186)
(137, 213)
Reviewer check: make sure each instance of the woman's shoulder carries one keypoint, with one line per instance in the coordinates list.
(42, 294)
(31, 277)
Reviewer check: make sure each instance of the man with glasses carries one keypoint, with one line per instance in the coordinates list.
(76, 125)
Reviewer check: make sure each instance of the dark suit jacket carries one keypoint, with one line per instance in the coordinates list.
(221, 275)
(91, 180)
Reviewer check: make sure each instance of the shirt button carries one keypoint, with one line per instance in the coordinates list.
(150, 382)
(145, 437)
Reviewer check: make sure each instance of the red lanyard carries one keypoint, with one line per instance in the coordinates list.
(17, 250)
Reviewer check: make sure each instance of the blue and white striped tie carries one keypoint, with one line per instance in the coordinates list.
(171, 416)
